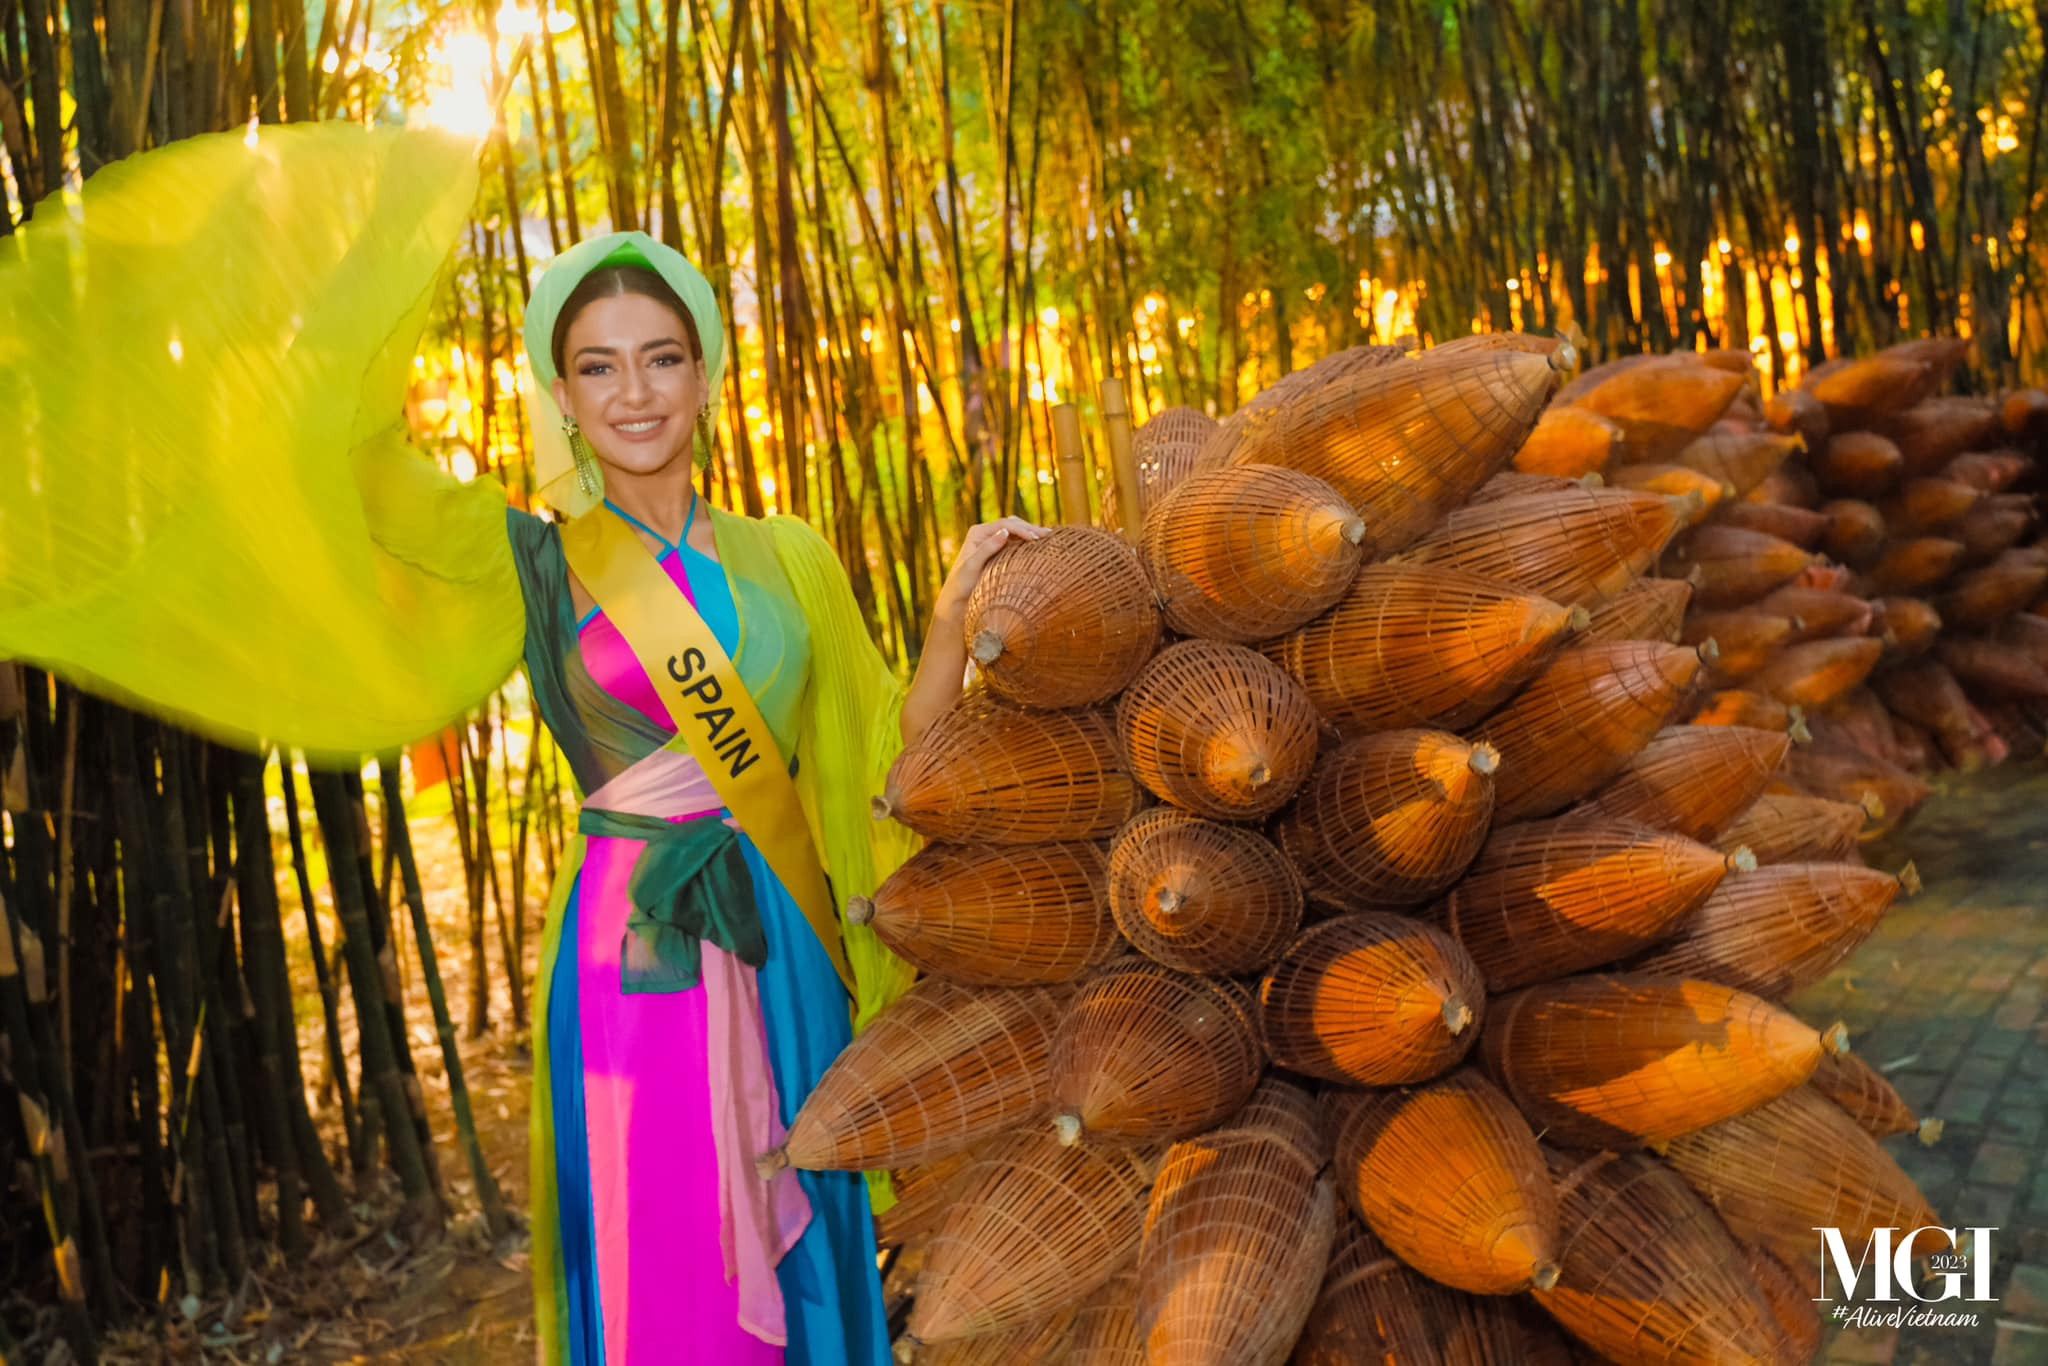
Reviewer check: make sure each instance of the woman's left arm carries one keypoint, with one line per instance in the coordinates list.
(936, 684)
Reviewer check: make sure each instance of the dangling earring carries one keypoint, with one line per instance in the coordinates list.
(587, 476)
(706, 437)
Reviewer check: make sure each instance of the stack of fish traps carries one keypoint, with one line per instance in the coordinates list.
(1362, 893)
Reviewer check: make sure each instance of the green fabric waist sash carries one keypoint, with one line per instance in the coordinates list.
(690, 884)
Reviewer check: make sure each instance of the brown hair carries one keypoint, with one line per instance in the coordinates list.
(607, 282)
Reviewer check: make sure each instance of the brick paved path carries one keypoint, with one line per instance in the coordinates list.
(1950, 1000)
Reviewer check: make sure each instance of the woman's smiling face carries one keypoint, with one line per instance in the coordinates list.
(629, 378)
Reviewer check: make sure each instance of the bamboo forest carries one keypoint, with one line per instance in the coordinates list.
(266, 1024)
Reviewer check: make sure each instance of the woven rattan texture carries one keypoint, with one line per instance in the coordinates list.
(1914, 566)
(1297, 384)
(924, 1192)
(998, 915)
(1704, 491)
(1741, 460)
(1167, 449)
(1994, 526)
(1660, 406)
(1219, 730)
(1778, 929)
(1887, 791)
(1692, 780)
(1577, 546)
(1741, 707)
(1781, 827)
(1518, 484)
(1063, 621)
(1857, 465)
(1859, 390)
(1285, 1112)
(1624, 1059)
(1816, 673)
(1202, 896)
(1983, 597)
(1820, 612)
(1803, 527)
(1735, 567)
(1855, 533)
(1745, 640)
(1931, 434)
(1106, 1327)
(1861, 1092)
(1996, 666)
(1648, 609)
(1929, 505)
(1569, 441)
(1042, 1343)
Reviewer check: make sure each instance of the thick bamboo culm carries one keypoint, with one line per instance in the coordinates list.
(1577, 724)
(1649, 1274)
(1249, 552)
(1064, 621)
(1817, 672)
(1218, 730)
(1550, 898)
(1778, 929)
(1148, 1054)
(1915, 565)
(1981, 598)
(1404, 443)
(1996, 666)
(1909, 625)
(1861, 1092)
(1783, 827)
(1995, 525)
(1073, 465)
(1819, 612)
(1166, 450)
(1123, 461)
(1390, 820)
(1416, 645)
(1778, 1172)
(1745, 639)
(997, 915)
(1858, 390)
(1741, 460)
(1857, 464)
(924, 1192)
(1037, 1225)
(1740, 707)
(1932, 433)
(1737, 567)
(1887, 791)
(1792, 1304)
(1106, 1325)
(1702, 492)
(941, 1069)
(1929, 506)
(1373, 1000)
(1648, 609)
(1450, 1178)
(1575, 546)
(990, 772)
(1373, 1308)
(1661, 406)
(1619, 1060)
(1803, 527)
(1692, 780)
(1237, 1239)
(1202, 896)
(1855, 532)
(1569, 441)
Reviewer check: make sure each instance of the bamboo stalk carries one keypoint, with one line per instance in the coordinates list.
(1066, 435)
(1130, 494)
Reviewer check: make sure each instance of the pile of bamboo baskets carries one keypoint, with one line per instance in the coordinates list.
(1363, 889)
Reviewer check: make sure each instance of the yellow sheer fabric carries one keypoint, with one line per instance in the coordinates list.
(207, 500)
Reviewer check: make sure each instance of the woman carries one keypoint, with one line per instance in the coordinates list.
(697, 974)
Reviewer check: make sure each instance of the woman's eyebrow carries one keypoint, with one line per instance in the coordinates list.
(612, 350)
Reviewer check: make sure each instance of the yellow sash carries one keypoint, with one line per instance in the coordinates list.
(714, 714)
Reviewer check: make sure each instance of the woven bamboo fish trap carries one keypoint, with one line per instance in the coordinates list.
(1740, 707)
(1908, 625)
(1861, 1092)
(1569, 441)
(1660, 406)
(1991, 471)
(1915, 565)
(1146, 1053)
(1064, 621)
(1296, 385)
(1562, 355)
(1648, 1273)
(1549, 898)
(1202, 896)
(941, 1069)
(2025, 412)
(1575, 546)
(2026, 636)
(989, 772)
(1928, 505)
(1250, 552)
(924, 1192)
(1888, 792)
(1779, 929)
(1692, 780)
(1855, 464)
(1818, 612)
(1741, 460)
(1374, 1000)
(1925, 693)
(1984, 597)
(1106, 1325)
(1237, 1239)
(1857, 390)
(1594, 376)
(1373, 1308)
(1855, 532)
(1284, 1112)
(1041, 1343)
(1166, 450)
(997, 915)
(1782, 827)
(1995, 667)
(1797, 1164)
(1941, 355)
(1579, 722)
(1792, 1306)
(1403, 443)
(1648, 609)
(1623, 1059)
(1745, 639)
(1419, 645)
(1390, 820)
(1218, 729)
(1790, 484)
(1449, 1177)
(1515, 484)
(1790, 412)
(1704, 492)
(1037, 1226)
(1995, 525)
(1737, 567)
(1932, 433)
(1816, 672)
(1803, 527)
